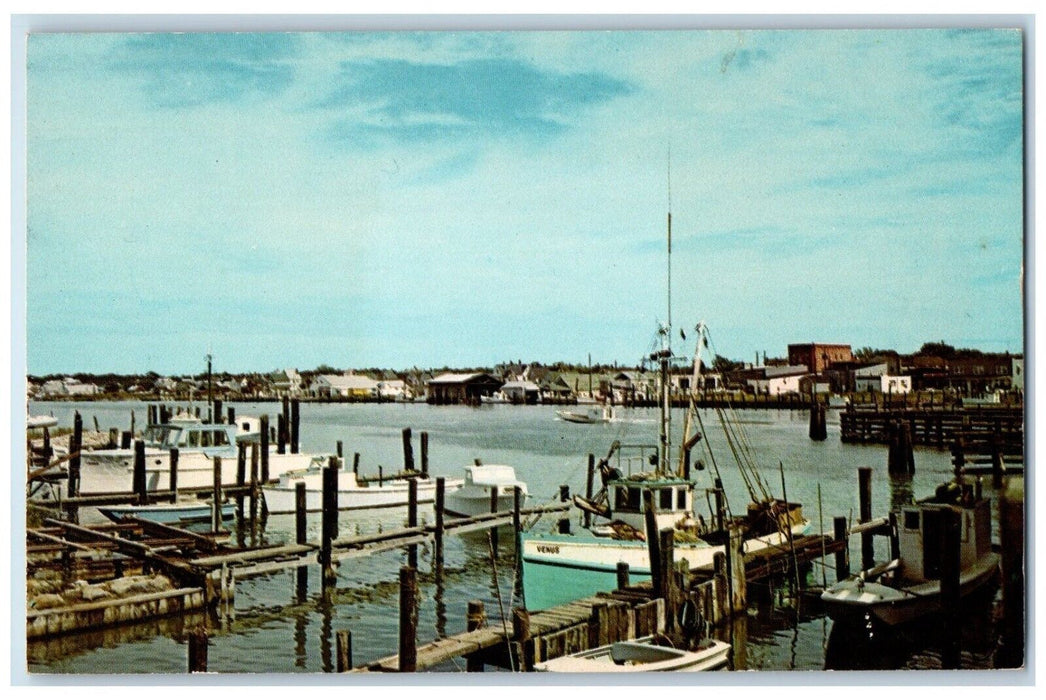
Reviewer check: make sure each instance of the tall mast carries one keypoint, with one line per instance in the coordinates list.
(666, 345)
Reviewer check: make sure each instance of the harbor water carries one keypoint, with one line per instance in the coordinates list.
(275, 626)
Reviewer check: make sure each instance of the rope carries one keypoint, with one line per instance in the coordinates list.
(501, 606)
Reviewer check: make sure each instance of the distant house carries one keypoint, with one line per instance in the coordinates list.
(521, 392)
(68, 387)
(876, 378)
(346, 386)
(393, 389)
(775, 381)
(452, 387)
(285, 382)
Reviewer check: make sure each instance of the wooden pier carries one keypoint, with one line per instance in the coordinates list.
(934, 427)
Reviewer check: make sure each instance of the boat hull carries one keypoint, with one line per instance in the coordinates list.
(558, 569)
(640, 655)
(392, 494)
(850, 601)
(173, 514)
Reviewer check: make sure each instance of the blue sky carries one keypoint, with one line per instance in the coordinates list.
(457, 198)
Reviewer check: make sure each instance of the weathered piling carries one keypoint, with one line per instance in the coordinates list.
(492, 534)
(521, 639)
(818, 422)
(735, 564)
(173, 476)
(589, 485)
(951, 631)
(138, 480)
(1011, 535)
(900, 456)
(216, 495)
(424, 453)
(517, 531)
(666, 571)
(264, 429)
(76, 444)
(344, 651)
(437, 551)
(255, 491)
(126, 438)
(622, 575)
(197, 650)
(329, 523)
(412, 520)
(563, 524)
(408, 451)
(300, 534)
(408, 639)
(653, 543)
(864, 483)
(356, 465)
(281, 434)
(295, 424)
(475, 620)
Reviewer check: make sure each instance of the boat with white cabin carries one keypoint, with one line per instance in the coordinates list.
(593, 414)
(909, 587)
(473, 498)
(354, 493)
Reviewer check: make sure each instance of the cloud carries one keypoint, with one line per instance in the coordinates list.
(409, 101)
(185, 70)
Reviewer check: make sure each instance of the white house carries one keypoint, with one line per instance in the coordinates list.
(876, 378)
(68, 387)
(392, 389)
(521, 391)
(779, 380)
(347, 385)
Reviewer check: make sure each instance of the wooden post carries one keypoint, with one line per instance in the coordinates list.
(339, 449)
(241, 479)
(598, 632)
(356, 464)
(329, 524)
(1011, 534)
(589, 482)
(300, 509)
(492, 533)
(517, 503)
(735, 564)
(895, 543)
(408, 647)
(281, 434)
(842, 557)
(412, 520)
(295, 423)
(653, 543)
(255, 491)
(424, 453)
(564, 522)
(864, 479)
(76, 444)
(521, 638)
(437, 554)
(230, 415)
(264, 448)
(344, 651)
(474, 621)
(622, 575)
(217, 417)
(722, 587)
(126, 438)
(138, 478)
(198, 650)
(950, 544)
(173, 477)
(216, 496)
(720, 505)
(818, 426)
(998, 468)
(408, 451)
(667, 572)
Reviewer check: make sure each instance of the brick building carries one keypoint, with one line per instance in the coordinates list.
(818, 356)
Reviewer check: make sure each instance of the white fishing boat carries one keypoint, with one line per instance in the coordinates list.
(38, 422)
(562, 567)
(198, 443)
(170, 513)
(473, 498)
(909, 587)
(498, 397)
(595, 414)
(641, 655)
(353, 493)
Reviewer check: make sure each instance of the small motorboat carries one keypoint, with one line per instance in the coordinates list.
(473, 498)
(170, 513)
(909, 587)
(641, 655)
(38, 422)
(588, 415)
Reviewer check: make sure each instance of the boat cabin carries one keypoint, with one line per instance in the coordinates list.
(919, 535)
(190, 435)
(673, 500)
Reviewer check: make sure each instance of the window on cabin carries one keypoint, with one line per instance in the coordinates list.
(681, 499)
(911, 520)
(627, 499)
(665, 499)
(221, 438)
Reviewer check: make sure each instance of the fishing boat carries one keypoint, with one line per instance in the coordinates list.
(496, 398)
(198, 443)
(354, 493)
(603, 414)
(37, 422)
(909, 586)
(642, 654)
(473, 498)
(170, 513)
(562, 567)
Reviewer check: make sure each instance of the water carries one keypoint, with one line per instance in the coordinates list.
(276, 628)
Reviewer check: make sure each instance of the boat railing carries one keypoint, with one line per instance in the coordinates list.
(632, 458)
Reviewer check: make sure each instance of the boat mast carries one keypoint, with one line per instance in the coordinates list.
(666, 345)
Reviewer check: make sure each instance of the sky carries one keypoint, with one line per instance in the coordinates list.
(431, 199)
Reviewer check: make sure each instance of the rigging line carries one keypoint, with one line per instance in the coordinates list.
(497, 592)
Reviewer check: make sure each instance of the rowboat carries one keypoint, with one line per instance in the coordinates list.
(641, 655)
(170, 513)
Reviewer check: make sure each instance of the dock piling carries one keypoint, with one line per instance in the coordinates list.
(216, 496)
(295, 424)
(408, 641)
(344, 651)
(412, 520)
(264, 448)
(138, 478)
(842, 557)
(197, 649)
(437, 553)
(864, 483)
(424, 453)
(951, 631)
(408, 451)
(329, 526)
(173, 476)
(476, 619)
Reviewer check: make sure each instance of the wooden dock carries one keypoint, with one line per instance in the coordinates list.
(934, 427)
